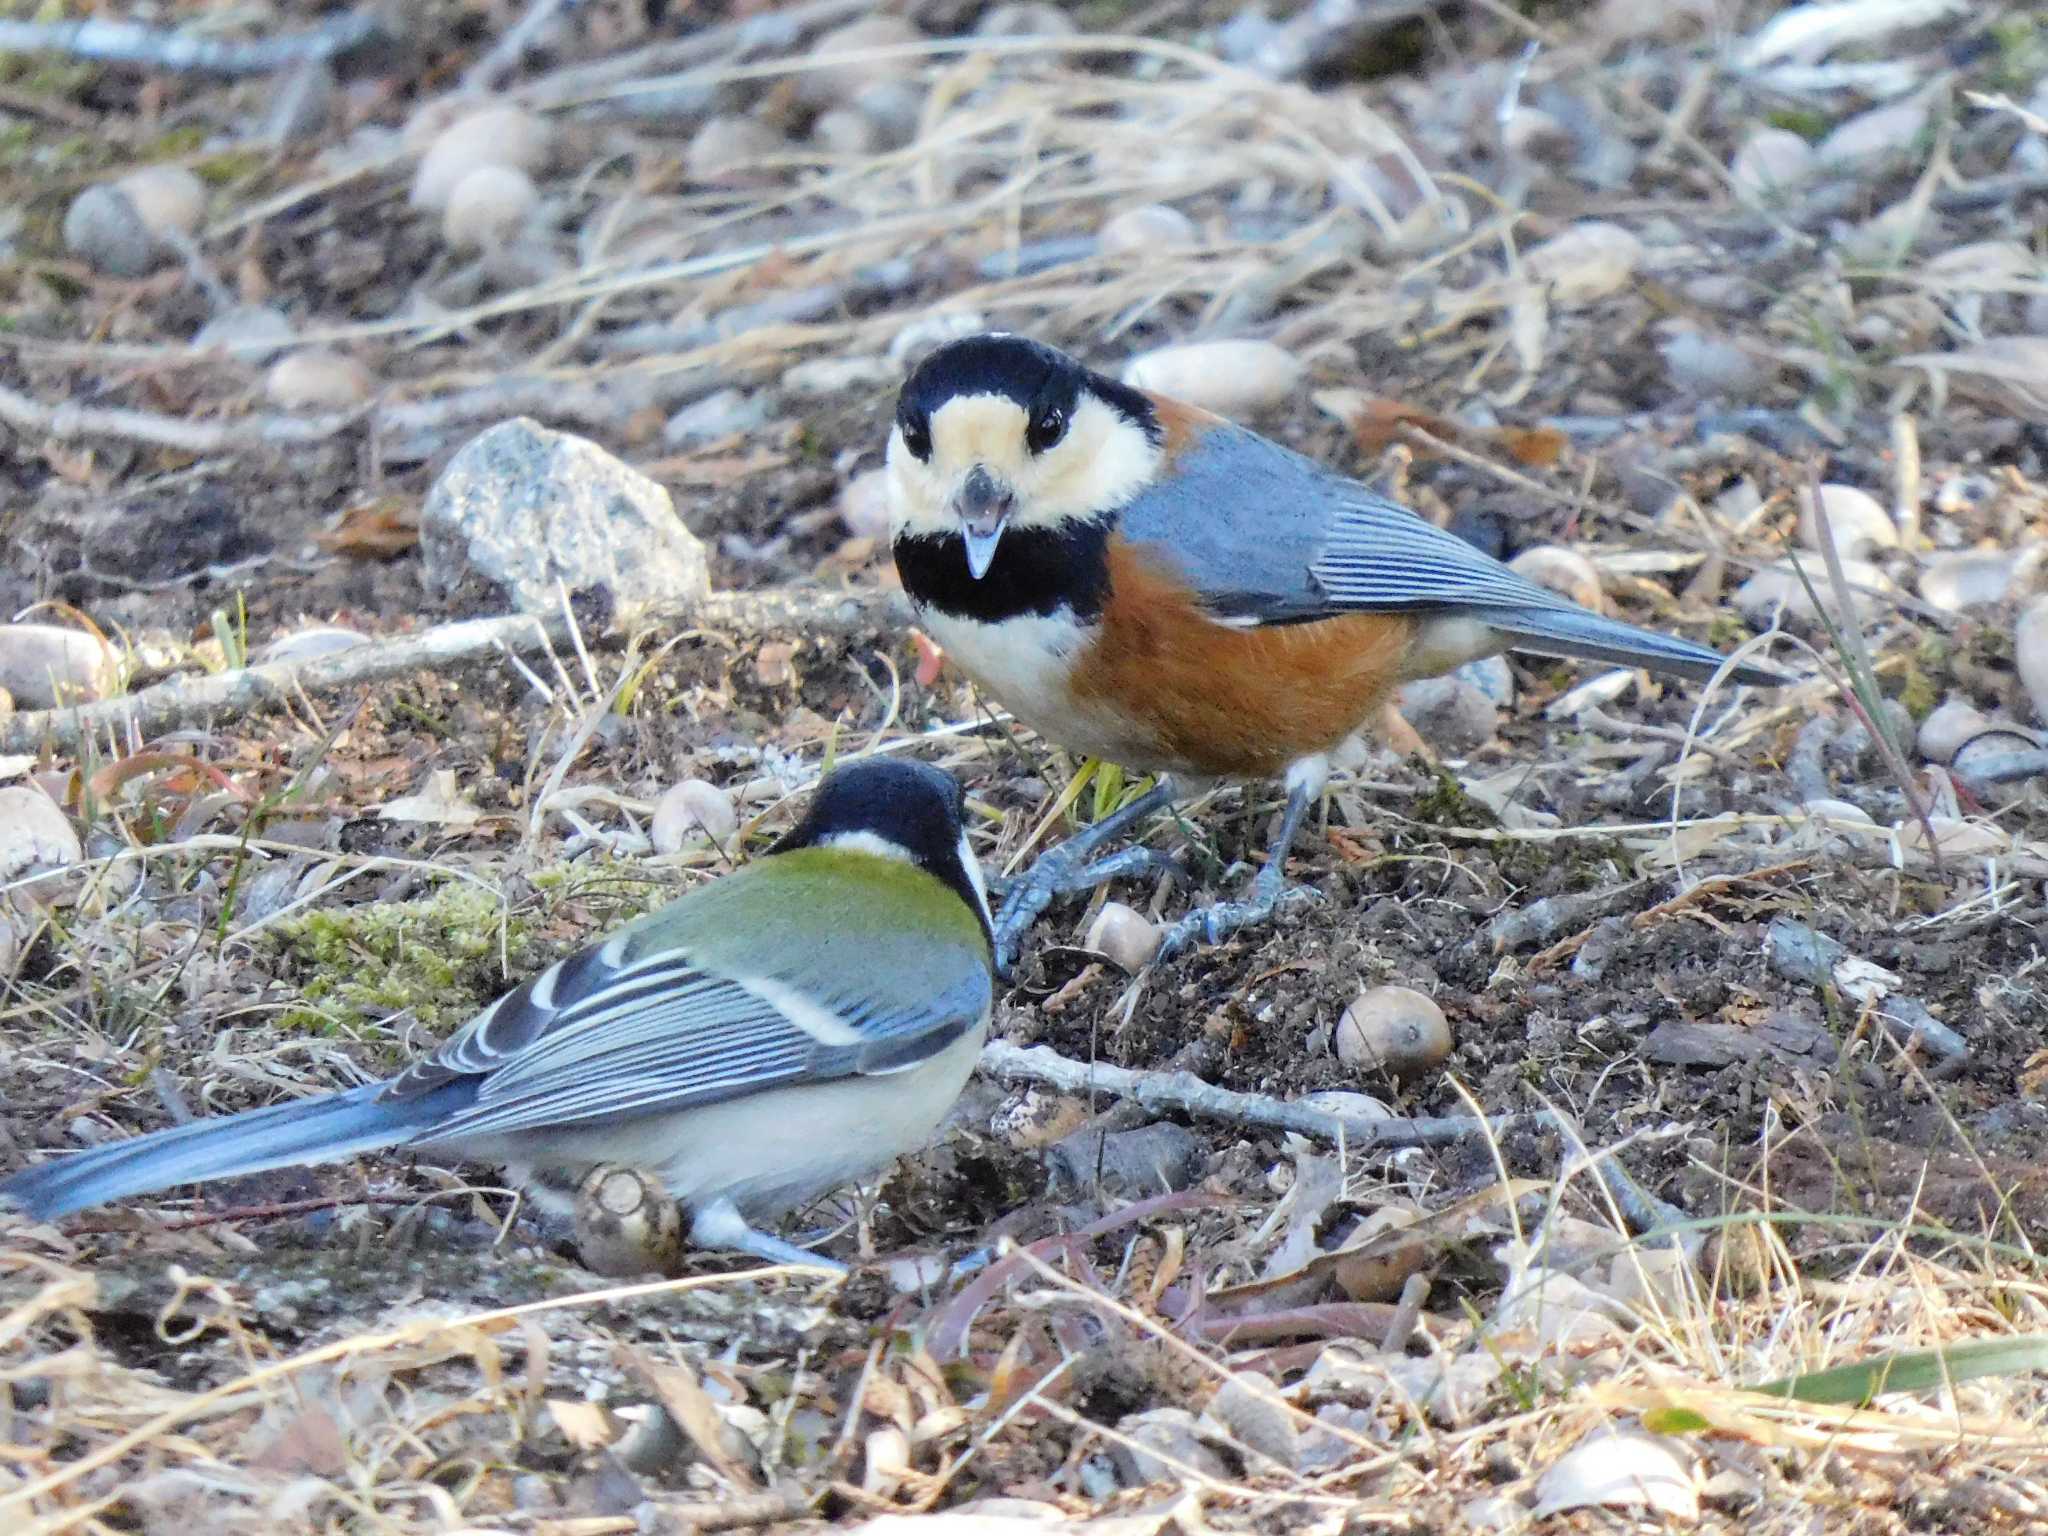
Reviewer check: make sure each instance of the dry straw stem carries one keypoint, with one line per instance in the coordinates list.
(183, 700)
(20, 1503)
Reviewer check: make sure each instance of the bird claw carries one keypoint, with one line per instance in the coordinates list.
(1056, 873)
(1218, 921)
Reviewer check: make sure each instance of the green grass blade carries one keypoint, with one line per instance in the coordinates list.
(1917, 1371)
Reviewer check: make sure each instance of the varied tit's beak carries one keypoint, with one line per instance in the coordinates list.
(983, 506)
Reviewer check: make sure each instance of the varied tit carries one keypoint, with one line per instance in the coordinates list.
(779, 1032)
(1140, 580)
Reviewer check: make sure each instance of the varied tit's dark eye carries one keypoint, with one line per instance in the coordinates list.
(1046, 429)
(917, 437)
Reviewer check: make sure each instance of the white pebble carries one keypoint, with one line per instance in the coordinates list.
(254, 332)
(506, 136)
(930, 331)
(1124, 936)
(864, 504)
(317, 379)
(2030, 652)
(1394, 1029)
(823, 376)
(717, 415)
(729, 146)
(170, 199)
(1227, 377)
(1148, 227)
(1029, 18)
(1707, 365)
(1952, 722)
(1492, 676)
(1620, 1470)
(1779, 586)
(1873, 137)
(487, 207)
(1979, 752)
(44, 665)
(35, 835)
(1968, 579)
(1564, 571)
(691, 812)
(843, 131)
(1586, 262)
(840, 84)
(1353, 1106)
(309, 644)
(1772, 160)
(102, 228)
(1860, 523)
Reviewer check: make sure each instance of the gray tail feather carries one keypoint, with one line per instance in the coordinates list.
(315, 1130)
(1577, 633)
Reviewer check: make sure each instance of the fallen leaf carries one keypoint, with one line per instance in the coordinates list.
(584, 1425)
(1628, 1470)
(373, 530)
(439, 803)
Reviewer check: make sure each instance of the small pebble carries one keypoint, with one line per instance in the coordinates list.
(1620, 1470)
(1563, 571)
(1123, 935)
(1779, 586)
(1454, 716)
(1393, 1029)
(317, 379)
(504, 135)
(2030, 654)
(730, 147)
(44, 665)
(864, 504)
(626, 1223)
(1772, 161)
(1250, 1408)
(1985, 750)
(1871, 138)
(1946, 728)
(844, 131)
(309, 644)
(103, 229)
(1860, 523)
(1340, 1101)
(1032, 18)
(716, 416)
(1227, 377)
(933, 330)
(488, 207)
(1585, 263)
(690, 812)
(840, 84)
(35, 835)
(1707, 365)
(825, 376)
(1149, 227)
(256, 333)
(893, 106)
(1163, 1445)
(1967, 579)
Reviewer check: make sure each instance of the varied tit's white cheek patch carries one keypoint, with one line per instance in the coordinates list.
(1103, 461)
(916, 503)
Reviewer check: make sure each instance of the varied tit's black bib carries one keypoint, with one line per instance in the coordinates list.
(1036, 571)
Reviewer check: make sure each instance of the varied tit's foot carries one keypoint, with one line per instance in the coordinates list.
(718, 1224)
(1215, 923)
(1072, 866)
(1271, 894)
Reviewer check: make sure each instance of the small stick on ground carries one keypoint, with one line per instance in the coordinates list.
(183, 700)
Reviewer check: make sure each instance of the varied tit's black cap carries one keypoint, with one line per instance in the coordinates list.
(1039, 378)
(916, 807)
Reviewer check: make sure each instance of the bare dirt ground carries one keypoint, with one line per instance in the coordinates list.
(1194, 1321)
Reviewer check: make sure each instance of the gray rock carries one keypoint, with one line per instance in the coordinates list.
(44, 665)
(1454, 716)
(1151, 1160)
(255, 332)
(1173, 1433)
(527, 512)
(104, 227)
(716, 416)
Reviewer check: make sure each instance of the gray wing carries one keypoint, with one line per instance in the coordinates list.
(1266, 536)
(1317, 544)
(601, 1036)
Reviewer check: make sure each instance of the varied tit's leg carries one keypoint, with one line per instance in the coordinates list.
(718, 1224)
(1271, 893)
(1067, 868)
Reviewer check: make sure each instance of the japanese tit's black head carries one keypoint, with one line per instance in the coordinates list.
(995, 432)
(897, 809)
